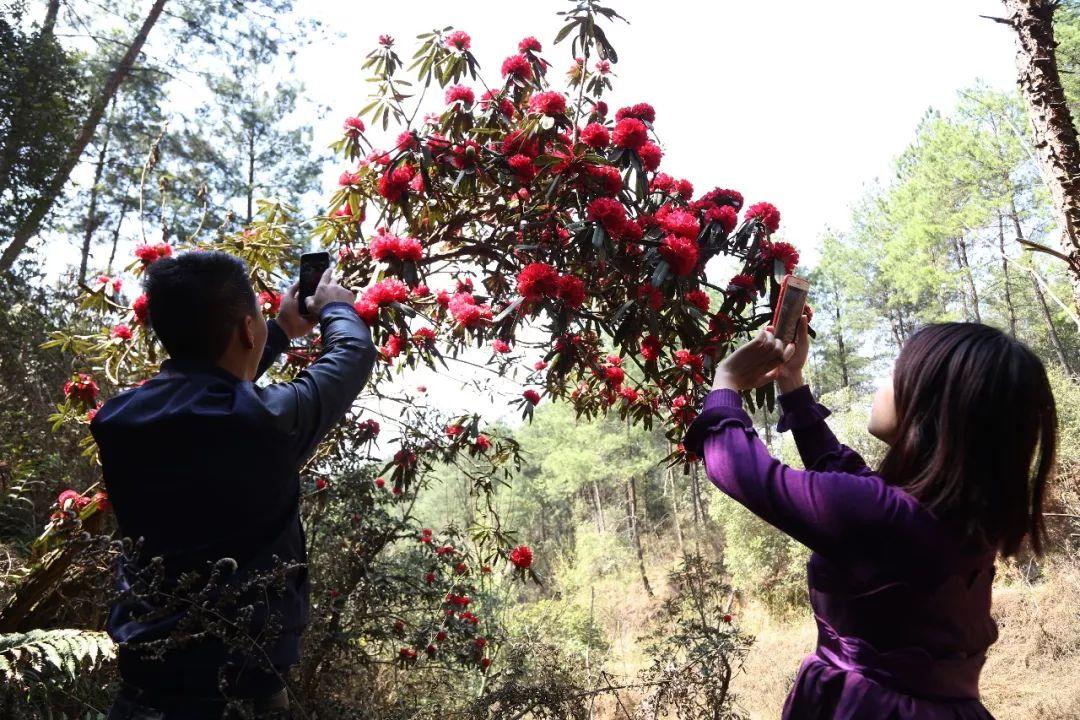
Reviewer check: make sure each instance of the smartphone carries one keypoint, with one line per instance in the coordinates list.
(312, 267)
(789, 307)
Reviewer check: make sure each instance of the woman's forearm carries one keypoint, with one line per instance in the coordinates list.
(785, 383)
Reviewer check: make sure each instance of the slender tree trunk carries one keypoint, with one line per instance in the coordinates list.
(32, 223)
(92, 221)
(600, 524)
(251, 176)
(635, 535)
(670, 474)
(49, 23)
(1005, 274)
(1048, 319)
(116, 235)
(841, 349)
(695, 495)
(965, 268)
(1056, 143)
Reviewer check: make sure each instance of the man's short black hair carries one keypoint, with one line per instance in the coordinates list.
(196, 300)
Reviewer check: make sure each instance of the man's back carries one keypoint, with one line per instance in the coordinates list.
(201, 465)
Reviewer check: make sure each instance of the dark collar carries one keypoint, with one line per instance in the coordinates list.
(184, 366)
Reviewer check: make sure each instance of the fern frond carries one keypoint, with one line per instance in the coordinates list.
(52, 657)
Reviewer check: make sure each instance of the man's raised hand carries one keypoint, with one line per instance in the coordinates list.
(289, 318)
(328, 291)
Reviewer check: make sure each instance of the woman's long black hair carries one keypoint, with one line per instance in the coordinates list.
(977, 432)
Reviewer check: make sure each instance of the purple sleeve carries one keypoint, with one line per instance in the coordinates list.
(818, 447)
(834, 513)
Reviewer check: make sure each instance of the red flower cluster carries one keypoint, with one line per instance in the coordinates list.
(483, 443)
(521, 556)
(121, 331)
(782, 251)
(517, 67)
(270, 302)
(607, 177)
(531, 396)
(460, 93)
(500, 346)
(699, 299)
(640, 111)
(529, 44)
(458, 40)
(681, 254)
(767, 213)
(141, 308)
(742, 287)
(385, 246)
(537, 281)
(394, 185)
(499, 100)
(354, 126)
(82, 389)
(650, 154)
(466, 312)
(367, 430)
(548, 103)
(595, 136)
(386, 291)
(630, 133)
(348, 178)
(150, 253)
(523, 167)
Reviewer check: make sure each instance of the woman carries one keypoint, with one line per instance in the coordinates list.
(903, 557)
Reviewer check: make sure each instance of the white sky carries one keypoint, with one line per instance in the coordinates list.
(797, 103)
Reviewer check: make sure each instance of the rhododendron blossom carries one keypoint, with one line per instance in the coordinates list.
(522, 556)
(630, 133)
(518, 67)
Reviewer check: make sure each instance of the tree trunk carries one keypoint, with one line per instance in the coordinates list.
(841, 349)
(600, 524)
(670, 475)
(92, 221)
(1005, 273)
(635, 535)
(49, 23)
(1056, 143)
(965, 268)
(1051, 331)
(251, 176)
(32, 223)
(116, 235)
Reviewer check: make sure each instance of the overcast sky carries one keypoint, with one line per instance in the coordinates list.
(797, 103)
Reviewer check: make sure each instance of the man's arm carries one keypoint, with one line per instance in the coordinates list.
(322, 393)
(276, 342)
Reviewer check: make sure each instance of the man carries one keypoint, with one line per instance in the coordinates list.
(200, 465)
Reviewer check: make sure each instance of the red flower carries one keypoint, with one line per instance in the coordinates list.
(121, 331)
(394, 185)
(91, 414)
(461, 568)
(531, 396)
(423, 336)
(386, 41)
(82, 389)
(523, 167)
(529, 44)
(385, 246)
(521, 556)
(380, 483)
(500, 346)
(348, 178)
(466, 312)
(678, 222)
(270, 302)
(571, 291)
(650, 348)
(767, 213)
(723, 196)
(600, 109)
(429, 578)
(650, 154)
(641, 111)
(482, 443)
(444, 550)
(548, 103)
(462, 93)
(608, 177)
(387, 291)
(485, 662)
(480, 642)
(782, 251)
(630, 133)
(727, 618)
(662, 183)
(431, 650)
(407, 654)
(150, 253)
(498, 99)
(648, 292)
(595, 135)
(458, 40)
(421, 290)
(353, 126)
(368, 430)
(614, 374)
(367, 310)
(684, 188)
(603, 67)
(517, 67)
(725, 215)
(321, 483)
(681, 254)
(687, 359)
(629, 393)
(517, 141)
(608, 212)
(742, 286)
(440, 636)
(537, 280)
(405, 458)
(699, 299)
(393, 347)
(540, 365)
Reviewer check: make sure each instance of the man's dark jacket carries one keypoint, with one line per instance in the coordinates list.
(203, 466)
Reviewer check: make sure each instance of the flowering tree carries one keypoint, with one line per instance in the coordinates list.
(524, 219)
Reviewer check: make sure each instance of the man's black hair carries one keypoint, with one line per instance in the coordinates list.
(196, 300)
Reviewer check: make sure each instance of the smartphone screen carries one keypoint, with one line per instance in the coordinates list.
(789, 309)
(312, 267)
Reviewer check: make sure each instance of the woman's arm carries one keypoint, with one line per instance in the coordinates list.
(834, 513)
(818, 447)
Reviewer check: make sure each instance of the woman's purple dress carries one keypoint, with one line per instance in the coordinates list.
(902, 601)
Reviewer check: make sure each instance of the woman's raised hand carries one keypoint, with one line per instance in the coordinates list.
(755, 363)
(789, 376)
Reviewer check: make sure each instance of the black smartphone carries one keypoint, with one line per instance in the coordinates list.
(312, 267)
